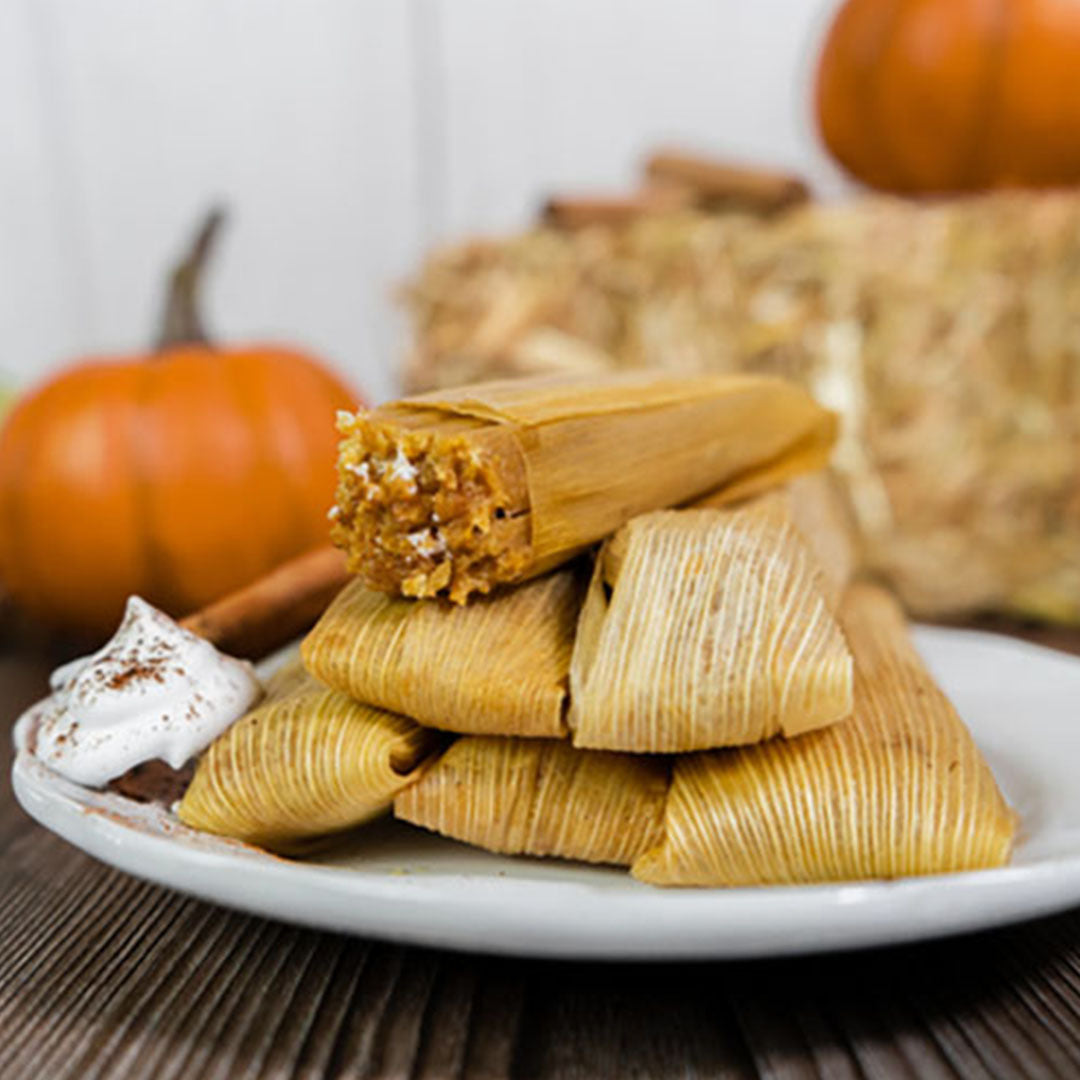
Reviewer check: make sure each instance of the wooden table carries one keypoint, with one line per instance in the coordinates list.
(105, 976)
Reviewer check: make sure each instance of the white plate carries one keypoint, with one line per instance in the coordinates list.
(1022, 702)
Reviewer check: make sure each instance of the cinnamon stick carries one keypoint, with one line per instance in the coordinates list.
(581, 211)
(275, 609)
(717, 183)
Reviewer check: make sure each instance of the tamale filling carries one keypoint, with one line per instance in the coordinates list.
(423, 510)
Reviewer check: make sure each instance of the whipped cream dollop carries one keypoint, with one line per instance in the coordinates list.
(154, 691)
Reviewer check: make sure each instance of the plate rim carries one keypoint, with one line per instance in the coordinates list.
(631, 924)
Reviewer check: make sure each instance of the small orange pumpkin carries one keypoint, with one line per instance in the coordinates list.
(953, 95)
(179, 476)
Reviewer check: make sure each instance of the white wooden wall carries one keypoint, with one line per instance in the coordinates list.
(346, 136)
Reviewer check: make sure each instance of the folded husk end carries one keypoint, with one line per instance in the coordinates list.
(300, 766)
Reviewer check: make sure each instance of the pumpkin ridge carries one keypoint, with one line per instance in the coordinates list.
(870, 103)
(153, 572)
(288, 370)
(249, 374)
(974, 165)
(17, 473)
(39, 561)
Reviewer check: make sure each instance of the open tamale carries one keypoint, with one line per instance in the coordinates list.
(453, 493)
(308, 761)
(898, 789)
(498, 665)
(541, 797)
(705, 628)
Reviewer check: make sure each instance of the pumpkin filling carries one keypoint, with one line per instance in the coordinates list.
(423, 512)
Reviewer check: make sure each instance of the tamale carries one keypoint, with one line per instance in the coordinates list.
(706, 628)
(541, 797)
(498, 665)
(818, 507)
(308, 761)
(454, 493)
(822, 513)
(898, 789)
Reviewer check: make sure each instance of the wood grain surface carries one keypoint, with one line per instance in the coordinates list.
(105, 976)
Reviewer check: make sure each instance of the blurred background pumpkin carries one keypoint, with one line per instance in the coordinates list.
(953, 95)
(177, 475)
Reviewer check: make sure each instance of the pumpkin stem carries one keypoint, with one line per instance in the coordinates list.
(181, 323)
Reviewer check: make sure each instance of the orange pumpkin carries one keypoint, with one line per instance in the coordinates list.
(179, 475)
(953, 95)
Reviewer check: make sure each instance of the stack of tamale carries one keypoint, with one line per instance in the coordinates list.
(540, 655)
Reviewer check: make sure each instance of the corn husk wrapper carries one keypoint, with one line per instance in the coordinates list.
(706, 628)
(306, 762)
(541, 797)
(498, 665)
(945, 332)
(899, 789)
(818, 507)
(458, 491)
